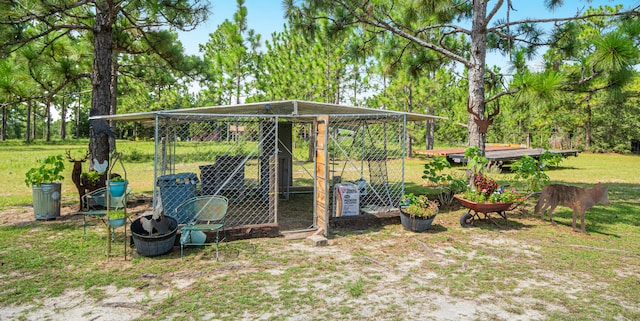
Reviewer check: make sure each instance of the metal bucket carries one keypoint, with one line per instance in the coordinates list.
(46, 201)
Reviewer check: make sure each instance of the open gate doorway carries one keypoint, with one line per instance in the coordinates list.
(296, 148)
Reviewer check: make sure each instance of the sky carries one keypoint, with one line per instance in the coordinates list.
(266, 17)
(263, 16)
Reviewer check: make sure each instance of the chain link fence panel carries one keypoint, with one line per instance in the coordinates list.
(257, 161)
(369, 151)
(230, 156)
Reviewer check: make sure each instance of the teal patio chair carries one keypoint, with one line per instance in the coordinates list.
(207, 214)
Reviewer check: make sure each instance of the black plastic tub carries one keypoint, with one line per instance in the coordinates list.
(153, 245)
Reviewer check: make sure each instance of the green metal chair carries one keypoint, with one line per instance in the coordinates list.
(207, 214)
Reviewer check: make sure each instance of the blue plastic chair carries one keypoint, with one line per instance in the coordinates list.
(207, 214)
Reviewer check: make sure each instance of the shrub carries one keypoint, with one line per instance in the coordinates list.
(532, 171)
(446, 183)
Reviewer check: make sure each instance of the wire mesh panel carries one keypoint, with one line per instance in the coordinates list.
(256, 161)
(234, 157)
(369, 152)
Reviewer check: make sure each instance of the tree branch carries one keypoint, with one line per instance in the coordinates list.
(42, 17)
(634, 11)
(19, 43)
(393, 29)
(500, 94)
(454, 28)
(23, 99)
(493, 12)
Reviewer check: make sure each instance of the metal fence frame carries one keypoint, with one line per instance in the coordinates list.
(369, 147)
(239, 165)
(371, 150)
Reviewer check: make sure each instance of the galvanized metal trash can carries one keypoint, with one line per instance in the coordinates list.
(46, 200)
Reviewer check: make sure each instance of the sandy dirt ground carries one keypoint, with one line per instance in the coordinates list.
(123, 304)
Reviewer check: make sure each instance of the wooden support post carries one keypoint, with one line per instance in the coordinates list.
(322, 173)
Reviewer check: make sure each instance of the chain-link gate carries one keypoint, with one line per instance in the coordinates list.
(230, 156)
(369, 151)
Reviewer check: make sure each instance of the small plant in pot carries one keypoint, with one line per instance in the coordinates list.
(92, 180)
(117, 218)
(49, 172)
(117, 186)
(46, 187)
(417, 212)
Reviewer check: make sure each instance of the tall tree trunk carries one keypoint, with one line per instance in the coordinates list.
(338, 85)
(48, 117)
(78, 115)
(34, 129)
(4, 123)
(238, 89)
(409, 109)
(328, 78)
(135, 131)
(429, 132)
(384, 89)
(101, 78)
(476, 72)
(355, 85)
(430, 124)
(63, 119)
(27, 134)
(587, 124)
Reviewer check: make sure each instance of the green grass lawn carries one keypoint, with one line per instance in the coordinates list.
(16, 159)
(524, 270)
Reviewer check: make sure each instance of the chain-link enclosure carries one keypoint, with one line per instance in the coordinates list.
(259, 162)
(278, 162)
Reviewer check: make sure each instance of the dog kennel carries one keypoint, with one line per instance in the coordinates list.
(260, 154)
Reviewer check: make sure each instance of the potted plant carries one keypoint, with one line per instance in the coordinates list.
(417, 212)
(117, 186)
(46, 187)
(116, 218)
(483, 195)
(92, 180)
